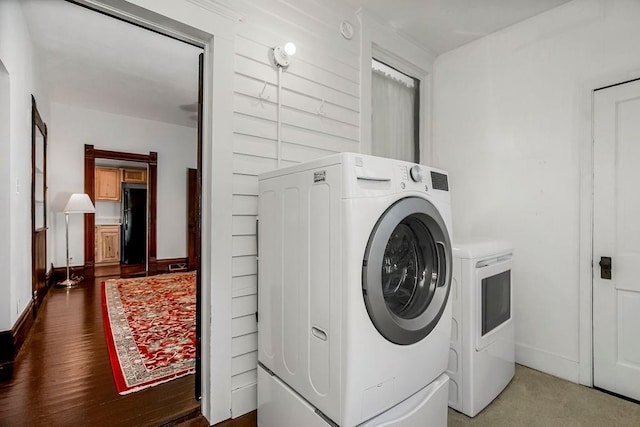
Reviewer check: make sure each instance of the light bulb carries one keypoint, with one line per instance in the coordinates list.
(290, 48)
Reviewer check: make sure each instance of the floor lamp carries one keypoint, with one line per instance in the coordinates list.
(78, 203)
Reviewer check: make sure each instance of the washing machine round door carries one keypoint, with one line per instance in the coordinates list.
(406, 273)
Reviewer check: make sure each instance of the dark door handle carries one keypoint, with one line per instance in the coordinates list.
(605, 267)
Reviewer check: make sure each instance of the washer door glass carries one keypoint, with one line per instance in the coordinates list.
(407, 271)
(409, 268)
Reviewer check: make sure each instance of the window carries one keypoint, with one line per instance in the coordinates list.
(395, 104)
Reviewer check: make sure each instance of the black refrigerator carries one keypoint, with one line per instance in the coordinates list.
(133, 240)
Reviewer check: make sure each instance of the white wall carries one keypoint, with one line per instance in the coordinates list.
(5, 191)
(16, 55)
(323, 76)
(511, 123)
(72, 127)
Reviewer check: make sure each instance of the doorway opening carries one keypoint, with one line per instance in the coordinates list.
(133, 102)
(124, 192)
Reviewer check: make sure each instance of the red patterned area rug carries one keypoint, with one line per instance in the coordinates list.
(149, 325)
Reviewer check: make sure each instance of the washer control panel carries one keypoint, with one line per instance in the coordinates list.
(413, 178)
(404, 173)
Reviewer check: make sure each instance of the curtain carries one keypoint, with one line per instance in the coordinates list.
(392, 118)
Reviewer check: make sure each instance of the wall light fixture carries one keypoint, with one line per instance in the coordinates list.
(282, 54)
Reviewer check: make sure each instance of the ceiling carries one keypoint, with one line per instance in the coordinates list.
(443, 25)
(93, 61)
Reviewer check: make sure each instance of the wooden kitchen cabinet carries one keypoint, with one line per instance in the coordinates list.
(134, 175)
(107, 183)
(107, 244)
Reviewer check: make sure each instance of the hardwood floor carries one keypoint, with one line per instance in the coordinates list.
(62, 375)
(247, 420)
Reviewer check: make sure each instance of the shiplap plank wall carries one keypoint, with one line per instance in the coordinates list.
(320, 116)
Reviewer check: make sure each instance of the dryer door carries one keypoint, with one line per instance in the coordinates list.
(406, 273)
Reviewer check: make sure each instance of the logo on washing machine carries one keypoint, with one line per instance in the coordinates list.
(320, 176)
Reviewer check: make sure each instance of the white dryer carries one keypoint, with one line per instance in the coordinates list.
(354, 277)
(482, 356)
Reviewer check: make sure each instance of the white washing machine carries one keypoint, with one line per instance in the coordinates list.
(354, 276)
(482, 355)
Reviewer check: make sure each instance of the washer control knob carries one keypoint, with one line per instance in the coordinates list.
(416, 174)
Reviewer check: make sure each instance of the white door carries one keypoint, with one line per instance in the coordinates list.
(616, 234)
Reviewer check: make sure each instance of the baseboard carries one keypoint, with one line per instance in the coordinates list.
(11, 341)
(23, 326)
(550, 363)
(7, 355)
(42, 292)
(48, 278)
(58, 274)
(244, 400)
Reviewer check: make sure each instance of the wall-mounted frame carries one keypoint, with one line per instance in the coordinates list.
(151, 159)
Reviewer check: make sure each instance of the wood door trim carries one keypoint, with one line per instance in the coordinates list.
(89, 219)
(119, 155)
(193, 217)
(151, 159)
(152, 188)
(37, 292)
(198, 237)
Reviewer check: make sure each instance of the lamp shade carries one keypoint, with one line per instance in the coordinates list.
(79, 203)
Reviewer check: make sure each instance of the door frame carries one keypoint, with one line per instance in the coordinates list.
(193, 219)
(151, 159)
(38, 277)
(211, 27)
(589, 88)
